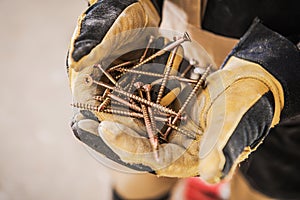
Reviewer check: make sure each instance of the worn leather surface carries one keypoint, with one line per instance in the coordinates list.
(95, 23)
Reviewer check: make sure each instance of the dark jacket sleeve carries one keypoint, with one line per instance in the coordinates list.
(158, 4)
(232, 18)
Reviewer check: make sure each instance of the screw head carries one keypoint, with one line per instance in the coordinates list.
(193, 62)
(138, 84)
(186, 37)
(147, 87)
(88, 80)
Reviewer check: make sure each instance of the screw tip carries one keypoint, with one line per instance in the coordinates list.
(151, 38)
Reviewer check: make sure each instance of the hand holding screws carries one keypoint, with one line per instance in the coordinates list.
(139, 104)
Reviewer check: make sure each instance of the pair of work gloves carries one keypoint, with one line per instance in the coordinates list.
(252, 92)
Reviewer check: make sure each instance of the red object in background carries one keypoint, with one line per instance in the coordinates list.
(197, 189)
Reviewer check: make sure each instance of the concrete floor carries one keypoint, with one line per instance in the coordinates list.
(39, 156)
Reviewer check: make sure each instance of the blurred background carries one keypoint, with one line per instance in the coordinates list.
(39, 156)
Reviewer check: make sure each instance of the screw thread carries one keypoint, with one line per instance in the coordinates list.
(166, 75)
(195, 89)
(144, 101)
(85, 106)
(157, 75)
(182, 131)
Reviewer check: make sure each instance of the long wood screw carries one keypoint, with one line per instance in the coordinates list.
(113, 111)
(107, 75)
(147, 89)
(135, 77)
(188, 99)
(169, 47)
(89, 81)
(121, 65)
(106, 101)
(182, 131)
(158, 75)
(152, 138)
(166, 75)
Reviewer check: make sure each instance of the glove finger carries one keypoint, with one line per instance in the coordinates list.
(86, 131)
(224, 116)
(134, 149)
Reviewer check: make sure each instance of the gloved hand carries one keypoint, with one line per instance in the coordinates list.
(88, 117)
(105, 31)
(99, 32)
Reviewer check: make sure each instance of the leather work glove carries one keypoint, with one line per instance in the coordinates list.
(98, 34)
(230, 117)
(99, 37)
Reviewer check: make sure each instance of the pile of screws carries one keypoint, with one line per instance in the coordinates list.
(140, 101)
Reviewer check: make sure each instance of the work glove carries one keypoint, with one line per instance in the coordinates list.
(104, 31)
(87, 116)
(99, 32)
